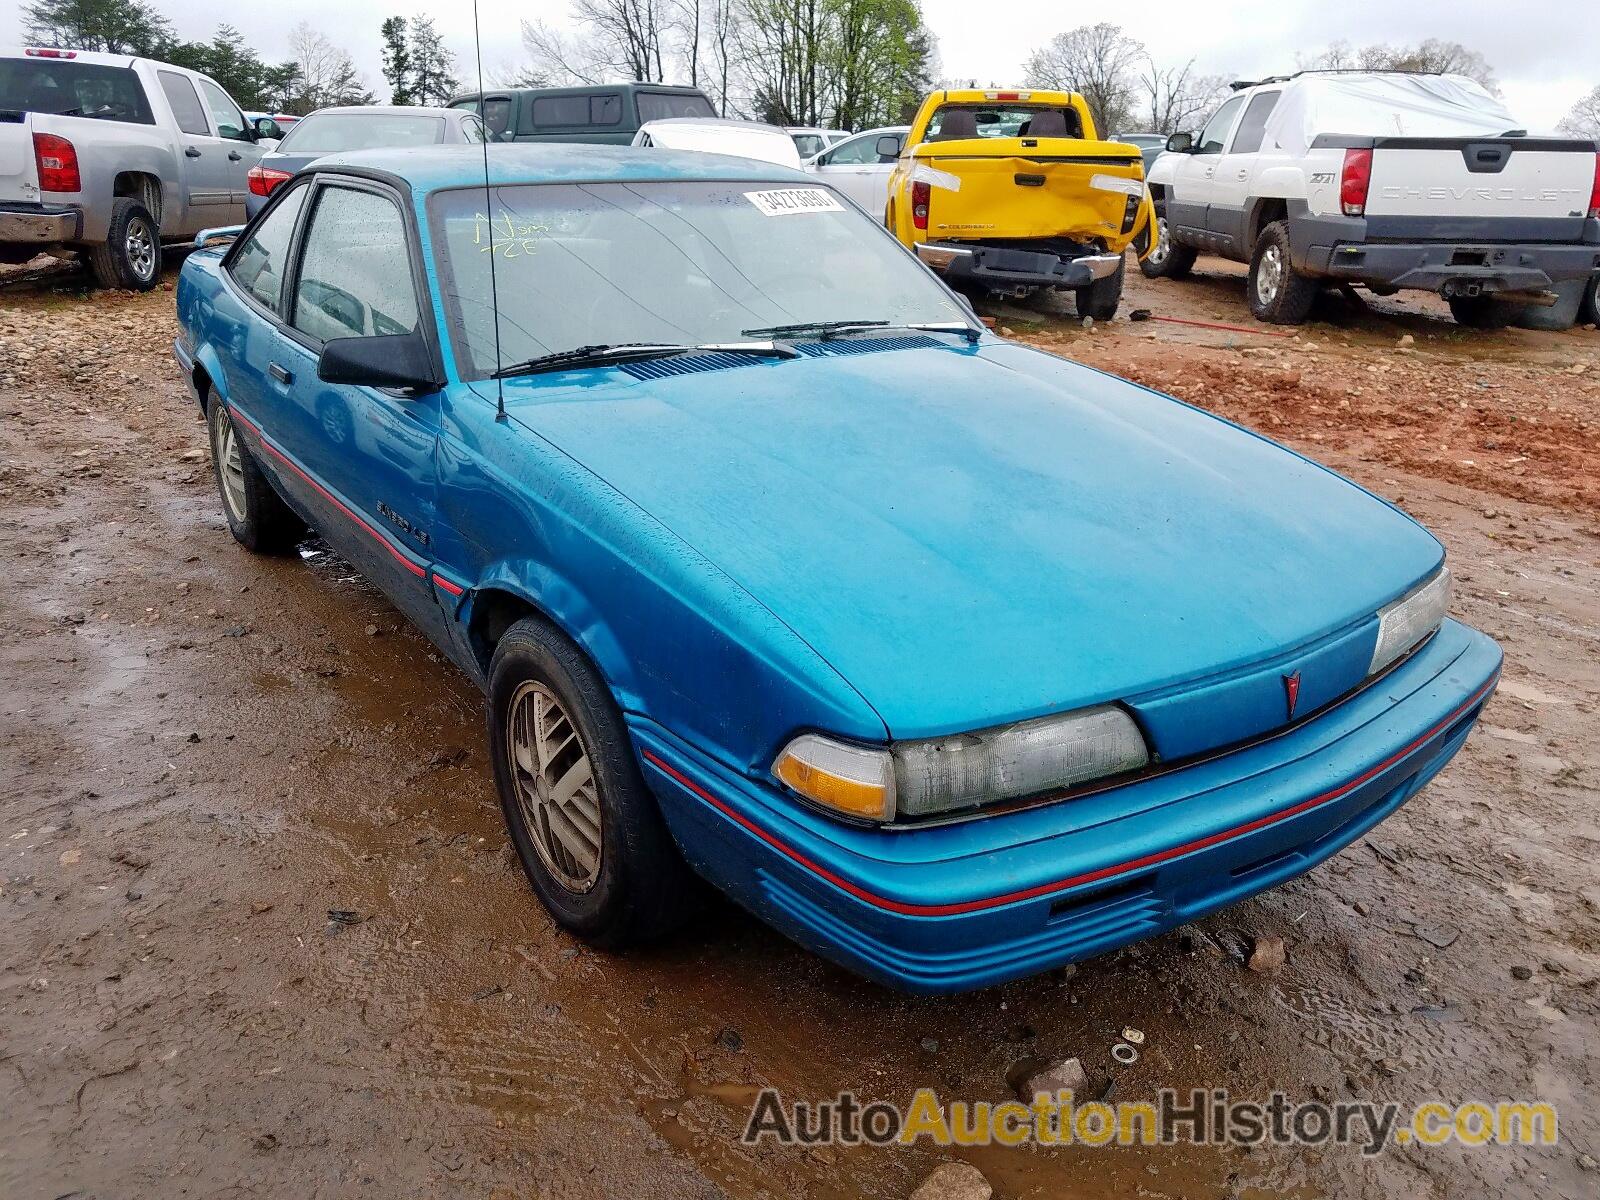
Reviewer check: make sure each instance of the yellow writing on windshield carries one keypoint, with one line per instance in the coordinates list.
(505, 236)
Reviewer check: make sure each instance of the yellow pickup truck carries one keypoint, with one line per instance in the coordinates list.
(1013, 191)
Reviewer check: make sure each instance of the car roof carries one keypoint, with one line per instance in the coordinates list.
(387, 110)
(717, 123)
(435, 168)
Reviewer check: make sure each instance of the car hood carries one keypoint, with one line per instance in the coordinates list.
(979, 535)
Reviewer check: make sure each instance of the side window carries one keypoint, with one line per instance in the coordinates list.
(472, 130)
(1216, 132)
(230, 121)
(856, 153)
(186, 108)
(1254, 123)
(355, 269)
(561, 110)
(259, 266)
(606, 109)
(497, 115)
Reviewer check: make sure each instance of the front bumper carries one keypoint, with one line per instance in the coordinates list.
(1003, 267)
(1339, 248)
(966, 905)
(39, 224)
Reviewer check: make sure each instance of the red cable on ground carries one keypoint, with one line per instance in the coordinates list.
(1214, 325)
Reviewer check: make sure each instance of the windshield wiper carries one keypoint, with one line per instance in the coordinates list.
(826, 330)
(620, 352)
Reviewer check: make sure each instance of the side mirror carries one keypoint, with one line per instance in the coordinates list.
(266, 127)
(398, 360)
(888, 146)
(1181, 143)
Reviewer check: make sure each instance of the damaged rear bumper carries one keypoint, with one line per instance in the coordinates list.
(1003, 267)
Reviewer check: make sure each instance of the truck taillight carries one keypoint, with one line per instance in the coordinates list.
(58, 164)
(921, 193)
(1354, 181)
(1594, 192)
(263, 179)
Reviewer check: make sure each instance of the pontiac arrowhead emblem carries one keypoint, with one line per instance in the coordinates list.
(1291, 690)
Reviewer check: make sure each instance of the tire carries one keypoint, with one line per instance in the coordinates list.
(1589, 310)
(1481, 312)
(130, 258)
(1101, 298)
(1278, 293)
(608, 872)
(1169, 260)
(257, 516)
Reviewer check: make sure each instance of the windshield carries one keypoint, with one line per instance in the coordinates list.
(678, 262)
(67, 88)
(809, 144)
(331, 133)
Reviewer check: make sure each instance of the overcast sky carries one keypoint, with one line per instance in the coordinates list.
(1546, 53)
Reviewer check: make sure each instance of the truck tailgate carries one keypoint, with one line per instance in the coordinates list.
(19, 180)
(1055, 187)
(1481, 178)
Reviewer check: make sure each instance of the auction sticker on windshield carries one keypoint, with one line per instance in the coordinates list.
(794, 200)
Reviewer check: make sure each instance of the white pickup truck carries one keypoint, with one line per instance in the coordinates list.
(1385, 179)
(109, 156)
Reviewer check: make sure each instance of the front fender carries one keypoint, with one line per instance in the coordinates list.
(1165, 169)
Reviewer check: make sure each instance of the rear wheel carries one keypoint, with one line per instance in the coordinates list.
(1168, 260)
(584, 824)
(130, 257)
(257, 516)
(1278, 293)
(1589, 310)
(1100, 299)
(1481, 312)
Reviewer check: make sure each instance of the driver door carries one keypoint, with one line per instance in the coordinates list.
(855, 168)
(1194, 181)
(238, 143)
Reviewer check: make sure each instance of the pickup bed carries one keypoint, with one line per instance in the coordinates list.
(1385, 180)
(108, 156)
(1013, 192)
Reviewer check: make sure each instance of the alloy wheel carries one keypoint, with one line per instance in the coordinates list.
(140, 245)
(230, 463)
(557, 794)
(1269, 275)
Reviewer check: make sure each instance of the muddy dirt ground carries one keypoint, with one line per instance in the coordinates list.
(203, 753)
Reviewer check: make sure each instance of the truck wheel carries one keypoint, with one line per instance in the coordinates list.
(583, 822)
(131, 255)
(257, 516)
(1101, 298)
(1278, 293)
(1168, 260)
(1481, 312)
(1589, 310)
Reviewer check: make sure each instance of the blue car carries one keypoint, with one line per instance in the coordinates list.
(952, 659)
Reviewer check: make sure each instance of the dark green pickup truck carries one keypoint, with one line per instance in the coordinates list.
(609, 112)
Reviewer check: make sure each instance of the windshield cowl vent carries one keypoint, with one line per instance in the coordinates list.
(865, 345)
(686, 364)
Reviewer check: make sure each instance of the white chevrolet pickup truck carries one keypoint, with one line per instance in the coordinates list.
(109, 156)
(1388, 180)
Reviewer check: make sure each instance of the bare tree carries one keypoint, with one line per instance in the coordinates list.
(1584, 119)
(1177, 98)
(1432, 55)
(1099, 62)
(327, 73)
(628, 39)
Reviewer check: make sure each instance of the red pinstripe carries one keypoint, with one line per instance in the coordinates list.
(1061, 885)
(416, 569)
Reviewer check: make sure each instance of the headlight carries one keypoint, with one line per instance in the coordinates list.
(917, 779)
(1411, 618)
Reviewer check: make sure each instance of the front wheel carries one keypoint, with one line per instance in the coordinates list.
(584, 824)
(1278, 293)
(1168, 260)
(1100, 299)
(130, 257)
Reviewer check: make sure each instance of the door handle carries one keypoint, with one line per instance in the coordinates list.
(1208, 172)
(1244, 174)
(281, 374)
(234, 156)
(190, 152)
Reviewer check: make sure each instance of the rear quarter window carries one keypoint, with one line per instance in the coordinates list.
(660, 106)
(73, 89)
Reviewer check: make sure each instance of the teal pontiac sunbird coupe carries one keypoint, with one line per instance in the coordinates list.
(952, 659)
